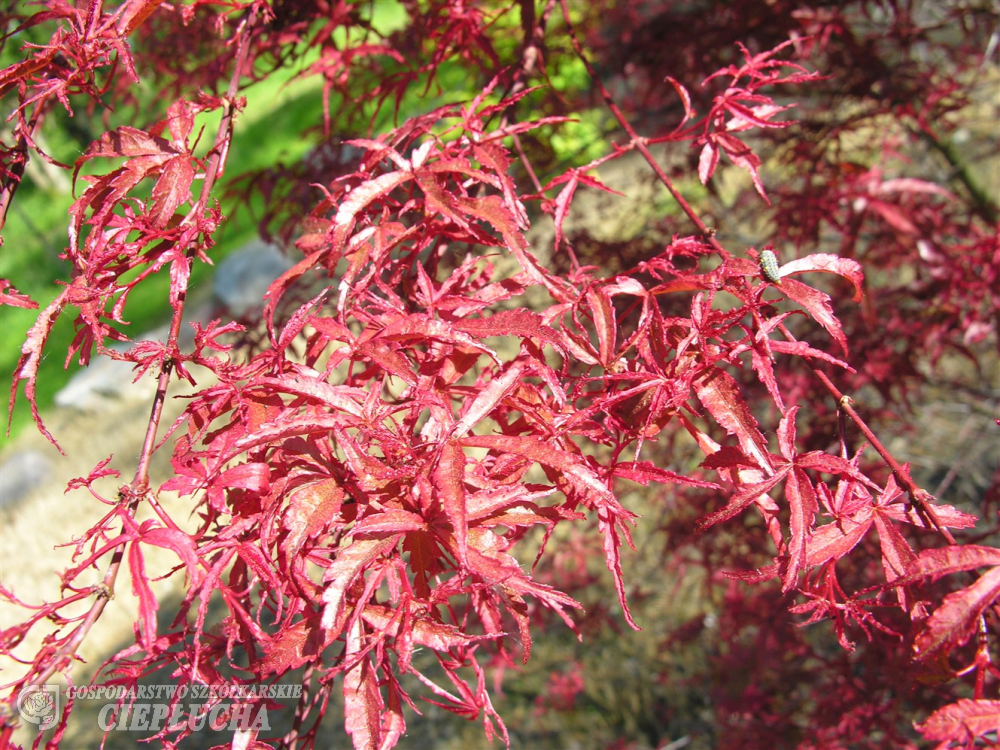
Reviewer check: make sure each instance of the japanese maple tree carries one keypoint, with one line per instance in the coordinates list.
(384, 462)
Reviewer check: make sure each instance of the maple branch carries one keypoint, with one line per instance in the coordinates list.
(982, 201)
(138, 488)
(638, 141)
(531, 59)
(921, 498)
(16, 172)
(531, 52)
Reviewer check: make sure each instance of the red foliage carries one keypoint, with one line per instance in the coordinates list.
(364, 481)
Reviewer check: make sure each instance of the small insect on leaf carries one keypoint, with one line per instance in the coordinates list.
(769, 267)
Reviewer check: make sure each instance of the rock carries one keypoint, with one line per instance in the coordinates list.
(20, 473)
(244, 276)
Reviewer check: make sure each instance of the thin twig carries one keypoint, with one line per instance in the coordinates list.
(921, 498)
(138, 488)
(638, 141)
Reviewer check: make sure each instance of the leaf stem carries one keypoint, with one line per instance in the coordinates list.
(921, 498)
(138, 488)
(636, 140)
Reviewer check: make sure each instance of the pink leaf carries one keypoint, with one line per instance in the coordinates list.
(741, 155)
(913, 185)
(685, 99)
(957, 618)
(817, 304)
(27, 365)
(801, 498)
(147, 601)
(429, 633)
(830, 542)
(645, 472)
(310, 509)
(931, 564)
(252, 476)
(520, 322)
(741, 499)
(362, 700)
(847, 268)
(171, 190)
(947, 515)
(487, 399)
(421, 327)
(10, 296)
(707, 162)
(305, 425)
(129, 141)
(896, 555)
(895, 217)
(351, 561)
(389, 522)
(962, 722)
(309, 384)
(178, 542)
(297, 644)
(359, 198)
(563, 202)
(721, 396)
(604, 322)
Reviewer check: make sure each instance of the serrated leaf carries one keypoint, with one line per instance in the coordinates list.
(449, 482)
(947, 515)
(817, 304)
(897, 555)
(172, 188)
(801, 498)
(351, 561)
(26, 369)
(519, 322)
(962, 721)
(10, 296)
(721, 396)
(362, 700)
(250, 476)
(957, 618)
(830, 542)
(298, 644)
(178, 542)
(434, 635)
(389, 522)
(131, 142)
(604, 322)
(147, 600)
(846, 268)
(741, 500)
(302, 382)
(359, 198)
(488, 398)
(931, 564)
(645, 472)
(421, 327)
(304, 425)
(310, 509)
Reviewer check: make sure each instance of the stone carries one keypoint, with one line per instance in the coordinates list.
(20, 473)
(244, 276)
